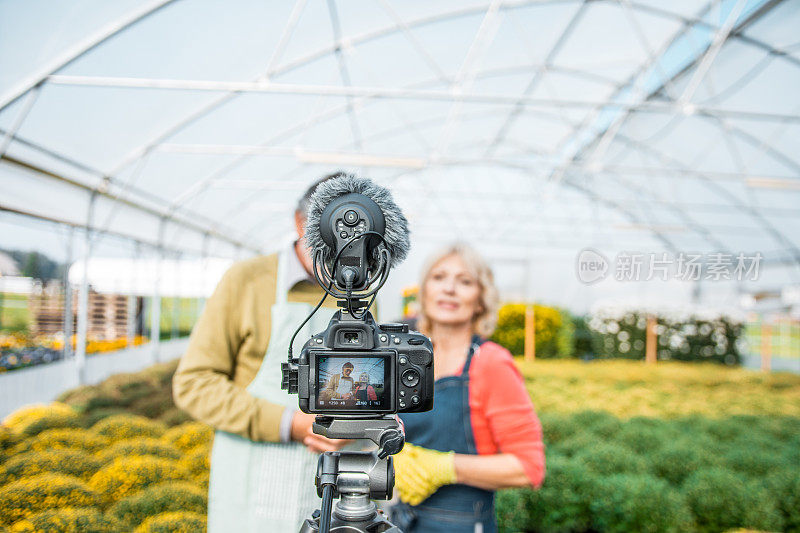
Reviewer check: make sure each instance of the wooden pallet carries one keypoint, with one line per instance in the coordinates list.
(108, 313)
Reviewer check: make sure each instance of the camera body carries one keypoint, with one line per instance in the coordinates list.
(359, 368)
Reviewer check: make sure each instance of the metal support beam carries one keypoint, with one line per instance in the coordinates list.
(180, 221)
(68, 316)
(83, 296)
(23, 113)
(520, 101)
(344, 73)
(155, 306)
(79, 50)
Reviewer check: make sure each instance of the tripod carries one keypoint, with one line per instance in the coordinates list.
(355, 477)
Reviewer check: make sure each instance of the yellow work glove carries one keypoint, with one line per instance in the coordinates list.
(418, 472)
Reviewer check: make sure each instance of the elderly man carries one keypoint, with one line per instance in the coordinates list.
(262, 477)
(340, 386)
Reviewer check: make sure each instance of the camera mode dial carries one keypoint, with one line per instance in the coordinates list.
(394, 327)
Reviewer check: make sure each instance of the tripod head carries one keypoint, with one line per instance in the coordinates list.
(355, 477)
(384, 431)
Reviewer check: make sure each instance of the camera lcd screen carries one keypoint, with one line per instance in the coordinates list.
(349, 383)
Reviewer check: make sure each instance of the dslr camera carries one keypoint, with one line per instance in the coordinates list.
(357, 368)
(356, 375)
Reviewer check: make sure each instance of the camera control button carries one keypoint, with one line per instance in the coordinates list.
(403, 360)
(402, 393)
(415, 400)
(343, 235)
(410, 377)
(351, 218)
(421, 358)
(402, 404)
(396, 340)
(384, 338)
(415, 341)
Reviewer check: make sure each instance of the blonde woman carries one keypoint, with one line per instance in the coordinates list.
(483, 433)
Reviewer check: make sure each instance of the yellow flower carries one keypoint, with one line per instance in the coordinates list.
(189, 435)
(120, 427)
(27, 496)
(126, 475)
(176, 522)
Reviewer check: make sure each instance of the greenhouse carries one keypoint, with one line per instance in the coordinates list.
(627, 170)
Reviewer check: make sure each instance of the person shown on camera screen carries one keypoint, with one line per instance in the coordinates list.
(340, 386)
(364, 391)
(483, 433)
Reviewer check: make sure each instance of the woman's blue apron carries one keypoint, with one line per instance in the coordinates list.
(452, 508)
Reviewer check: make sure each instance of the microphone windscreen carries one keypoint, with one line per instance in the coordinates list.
(396, 234)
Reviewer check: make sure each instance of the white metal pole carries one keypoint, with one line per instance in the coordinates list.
(68, 317)
(83, 297)
(133, 298)
(155, 311)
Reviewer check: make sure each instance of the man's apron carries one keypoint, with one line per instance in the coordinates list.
(266, 487)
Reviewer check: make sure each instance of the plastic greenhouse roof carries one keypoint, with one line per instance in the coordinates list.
(520, 125)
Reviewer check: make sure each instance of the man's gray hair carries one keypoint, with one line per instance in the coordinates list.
(302, 203)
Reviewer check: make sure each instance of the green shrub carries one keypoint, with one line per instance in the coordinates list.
(121, 427)
(784, 488)
(754, 462)
(137, 447)
(174, 416)
(726, 429)
(93, 417)
(676, 461)
(562, 504)
(154, 404)
(582, 337)
(693, 338)
(512, 510)
(162, 498)
(559, 427)
(62, 438)
(189, 435)
(553, 330)
(625, 502)
(145, 393)
(67, 461)
(27, 496)
(601, 423)
(783, 428)
(126, 475)
(67, 520)
(607, 458)
(720, 500)
(576, 444)
(102, 401)
(180, 522)
(645, 435)
(791, 451)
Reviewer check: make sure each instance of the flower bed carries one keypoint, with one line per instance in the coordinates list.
(630, 447)
(19, 351)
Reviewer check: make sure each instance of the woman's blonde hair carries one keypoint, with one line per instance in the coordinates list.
(485, 320)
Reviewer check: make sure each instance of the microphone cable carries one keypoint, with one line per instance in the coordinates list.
(384, 266)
